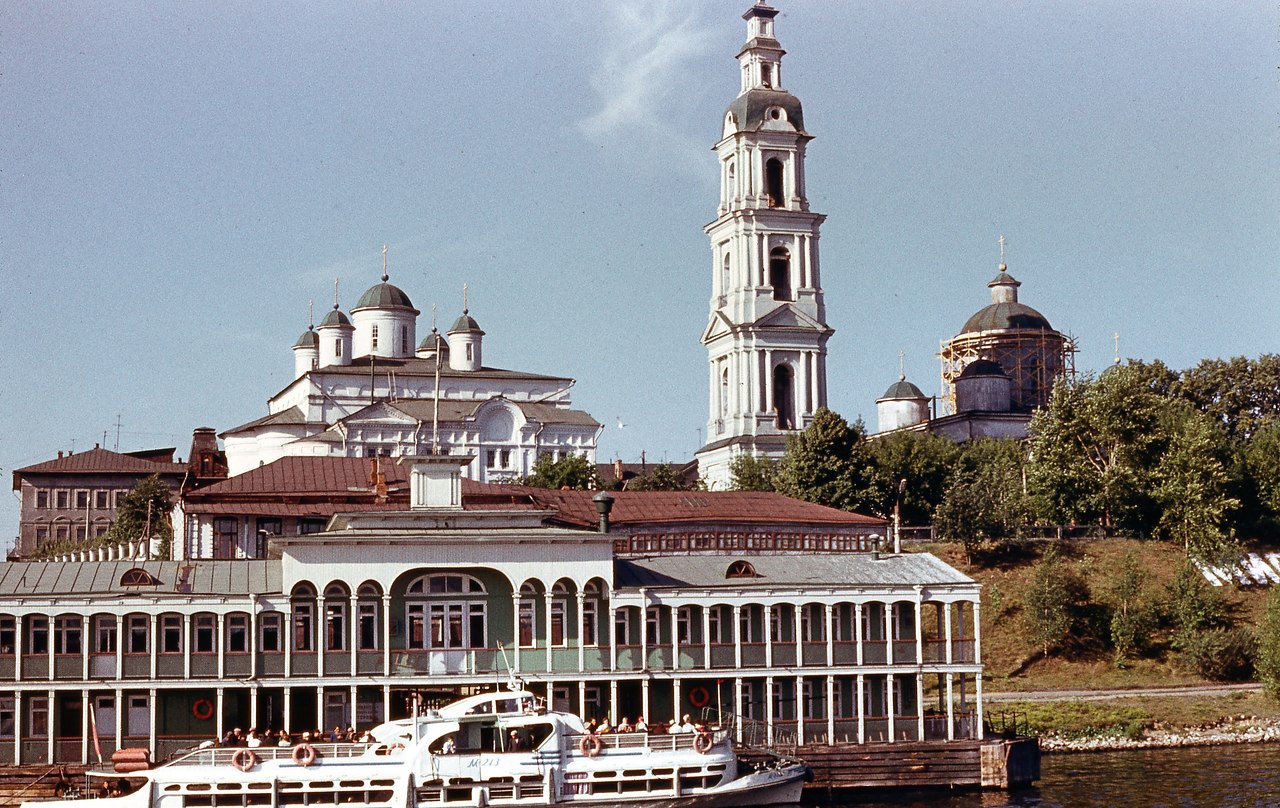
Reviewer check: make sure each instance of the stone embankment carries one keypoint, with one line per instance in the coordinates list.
(1230, 730)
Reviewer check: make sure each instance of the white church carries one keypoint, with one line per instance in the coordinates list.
(364, 387)
(767, 336)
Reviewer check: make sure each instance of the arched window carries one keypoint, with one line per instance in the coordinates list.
(783, 398)
(724, 394)
(780, 273)
(592, 606)
(726, 276)
(137, 577)
(733, 180)
(741, 569)
(446, 610)
(303, 602)
(368, 606)
(773, 182)
(335, 618)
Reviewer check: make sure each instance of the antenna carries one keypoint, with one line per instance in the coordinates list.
(117, 432)
(385, 276)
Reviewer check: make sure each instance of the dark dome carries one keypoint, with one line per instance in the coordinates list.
(751, 109)
(902, 390)
(1002, 316)
(384, 296)
(309, 339)
(335, 317)
(465, 323)
(983, 367)
(429, 343)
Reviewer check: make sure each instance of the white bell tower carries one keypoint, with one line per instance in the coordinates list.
(767, 336)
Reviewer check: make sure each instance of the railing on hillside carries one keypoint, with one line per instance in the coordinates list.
(1032, 533)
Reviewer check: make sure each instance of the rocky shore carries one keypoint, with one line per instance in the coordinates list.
(1230, 730)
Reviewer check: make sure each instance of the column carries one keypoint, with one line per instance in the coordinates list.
(977, 702)
(119, 727)
(219, 716)
(288, 709)
(355, 634)
(151, 722)
(221, 646)
(515, 645)
(254, 721)
(351, 713)
(53, 643)
(706, 637)
(53, 706)
(289, 641)
(920, 706)
(948, 655)
(386, 702)
(644, 700)
(644, 631)
(612, 712)
(547, 600)
(612, 628)
(19, 628)
(951, 707)
(768, 637)
(831, 635)
(85, 729)
(737, 703)
(320, 716)
(798, 612)
(861, 698)
(831, 709)
(737, 636)
(582, 699)
(153, 643)
(889, 636)
(890, 707)
(800, 708)
(386, 644)
(768, 382)
(252, 639)
(857, 634)
(120, 641)
(675, 637)
(977, 633)
(677, 703)
(186, 646)
(582, 625)
(919, 627)
(768, 710)
(88, 640)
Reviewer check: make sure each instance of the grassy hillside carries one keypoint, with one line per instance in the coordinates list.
(1014, 662)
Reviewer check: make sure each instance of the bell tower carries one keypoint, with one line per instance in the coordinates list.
(767, 335)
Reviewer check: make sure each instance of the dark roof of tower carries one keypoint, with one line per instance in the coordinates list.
(429, 342)
(309, 339)
(334, 317)
(1003, 316)
(983, 367)
(902, 390)
(465, 323)
(752, 107)
(384, 296)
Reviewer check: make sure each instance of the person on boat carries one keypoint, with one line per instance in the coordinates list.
(448, 747)
(686, 725)
(605, 726)
(515, 743)
(284, 739)
(591, 726)
(253, 741)
(641, 726)
(625, 725)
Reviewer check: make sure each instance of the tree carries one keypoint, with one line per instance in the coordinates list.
(1268, 659)
(1129, 619)
(1240, 394)
(985, 501)
(1261, 459)
(1192, 605)
(664, 477)
(925, 461)
(144, 512)
(571, 471)
(827, 463)
(1191, 483)
(751, 473)
(1047, 603)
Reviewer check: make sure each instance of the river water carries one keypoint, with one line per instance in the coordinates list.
(1240, 776)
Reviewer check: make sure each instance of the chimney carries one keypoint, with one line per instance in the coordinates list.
(604, 504)
(435, 481)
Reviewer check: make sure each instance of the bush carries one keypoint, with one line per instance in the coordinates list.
(1268, 659)
(1219, 654)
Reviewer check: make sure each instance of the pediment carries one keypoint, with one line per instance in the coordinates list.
(788, 316)
(719, 326)
(381, 413)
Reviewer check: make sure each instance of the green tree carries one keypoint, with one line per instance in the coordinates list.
(827, 463)
(572, 471)
(1192, 606)
(1240, 394)
(1191, 484)
(925, 461)
(985, 502)
(1048, 601)
(1130, 620)
(751, 473)
(1268, 659)
(1261, 459)
(144, 512)
(664, 477)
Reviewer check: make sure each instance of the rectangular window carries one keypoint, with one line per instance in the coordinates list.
(368, 626)
(42, 499)
(8, 635)
(42, 535)
(335, 624)
(7, 714)
(267, 527)
(716, 625)
(171, 634)
(226, 531)
(622, 627)
(417, 626)
(105, 635)
(306, 526)
(491, 458)
(527, 623)
(469, 354)
(63, 498)
(238, 634)
(652, 625)
(82, 499)
(684, 625)
(373, 334)
(101, 499)
(746, 632)
(66, 635)
(557, 622)
(269, 632)
(39, 707)
(590, 622)
(62, 532)
(506, 458)
(302, 627)
(813, 623)
(477, 625)
(404, 339)
(117, 497)
(81, 532)
(38, 635)
(337, 347)
(204, 629)
(139, 631)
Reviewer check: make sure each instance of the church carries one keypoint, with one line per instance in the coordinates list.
(364, 387)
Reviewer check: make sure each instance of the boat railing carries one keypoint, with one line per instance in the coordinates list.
(221, 755)
(658, 742)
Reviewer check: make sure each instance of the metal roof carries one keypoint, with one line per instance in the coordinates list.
(800, 569)
(241, 577)
(384, 296)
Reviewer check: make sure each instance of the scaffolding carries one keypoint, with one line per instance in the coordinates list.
(1033, 359)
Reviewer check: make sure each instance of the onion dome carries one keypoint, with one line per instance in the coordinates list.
(309, 339)
(1005, 312)
(334, 317)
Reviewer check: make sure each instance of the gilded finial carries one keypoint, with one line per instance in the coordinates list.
(335, 294)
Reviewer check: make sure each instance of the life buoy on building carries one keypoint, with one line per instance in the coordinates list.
(590, 745)
(304, 754)
(699, 697)
(202, 709)
(244, 759)
(703, 742)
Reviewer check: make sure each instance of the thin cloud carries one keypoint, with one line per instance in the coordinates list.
(646, 47)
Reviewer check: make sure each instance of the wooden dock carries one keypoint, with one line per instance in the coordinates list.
(952, 765)
(20, 783)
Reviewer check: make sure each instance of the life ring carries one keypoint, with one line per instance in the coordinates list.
(699, 697)
(702, 742)
(590, 745)
(202, 709)
(304, 754)
(244, 759)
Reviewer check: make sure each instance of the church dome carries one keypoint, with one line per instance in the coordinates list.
(751, 110)
(465, 323)
(982, 367)
(384, 296)
(902, 390)
(1005, 312)
(335, 317)
(309, 339)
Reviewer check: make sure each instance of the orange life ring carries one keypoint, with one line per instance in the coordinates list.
(699, 697)
(590, 745)
(304, 754)
(244, 759)
(202, 709)
(703, 742)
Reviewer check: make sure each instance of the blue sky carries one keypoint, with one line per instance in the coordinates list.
(178, 180)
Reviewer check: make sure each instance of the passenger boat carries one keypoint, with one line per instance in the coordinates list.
(498, 748)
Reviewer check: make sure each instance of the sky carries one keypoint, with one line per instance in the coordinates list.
(179, 180)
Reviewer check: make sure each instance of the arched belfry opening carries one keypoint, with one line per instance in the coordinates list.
(780, 273)
(784, 405)
(773, 182)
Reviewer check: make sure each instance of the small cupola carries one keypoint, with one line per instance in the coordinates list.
(435, 481)
(334, 337)
(464, 342)
(306, 352)
(385, 320)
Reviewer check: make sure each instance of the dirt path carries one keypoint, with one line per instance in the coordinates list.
(1103, 695)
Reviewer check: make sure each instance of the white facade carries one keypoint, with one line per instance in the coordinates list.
(767, 336)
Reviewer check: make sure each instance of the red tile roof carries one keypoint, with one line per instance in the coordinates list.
(99, 461)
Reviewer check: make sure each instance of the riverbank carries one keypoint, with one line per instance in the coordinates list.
(1231, 730)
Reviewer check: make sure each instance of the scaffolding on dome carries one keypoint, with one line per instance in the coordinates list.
(1034, 359)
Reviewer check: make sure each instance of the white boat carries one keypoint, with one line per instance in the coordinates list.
(491, 749)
